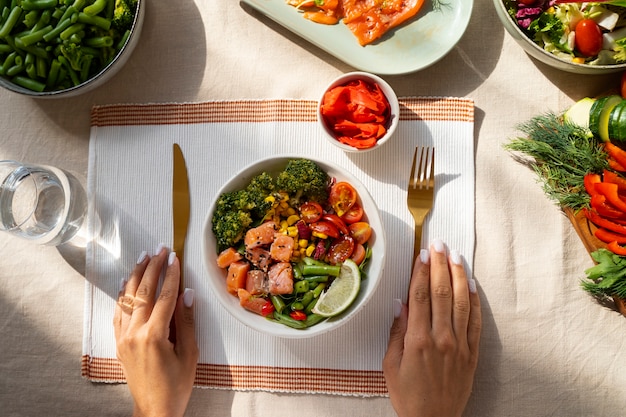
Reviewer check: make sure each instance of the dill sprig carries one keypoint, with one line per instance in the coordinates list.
(560, 153)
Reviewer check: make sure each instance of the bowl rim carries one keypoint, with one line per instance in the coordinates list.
(100, 77)
(390, 95)
(538, 52)
(258, 323)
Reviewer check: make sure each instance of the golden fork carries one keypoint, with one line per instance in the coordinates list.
(421, 191)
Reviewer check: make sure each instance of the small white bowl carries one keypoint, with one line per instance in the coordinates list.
(391, 96)
(217, 276)
(98, 79)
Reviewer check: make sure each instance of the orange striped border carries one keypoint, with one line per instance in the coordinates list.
(259, 378)
(259, 111)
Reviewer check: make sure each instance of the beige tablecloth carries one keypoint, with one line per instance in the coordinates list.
(547, 348)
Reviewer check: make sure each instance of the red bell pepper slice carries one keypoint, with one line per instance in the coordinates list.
(607, 236)
(615, 152)
(298, 315)
(599, 204)
(616, 248)
(615, 165)
(589, 181)
(610, 191)
(614, 178)
(600, 221)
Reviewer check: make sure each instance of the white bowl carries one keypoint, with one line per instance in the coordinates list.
(391, 96)
(217, 276)
(98, 79)
(537, 52)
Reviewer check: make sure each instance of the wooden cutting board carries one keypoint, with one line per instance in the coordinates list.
(584, 228)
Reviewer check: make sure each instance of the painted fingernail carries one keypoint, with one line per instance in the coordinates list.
(424, 256)
(159, 248)
(471, 283)
(455, 257)
(142, 257)
(438, 245)
(123, 283)
(188, 296)
(397, 307)
(171, 258)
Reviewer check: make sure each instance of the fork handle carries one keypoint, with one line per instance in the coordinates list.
(417, 245)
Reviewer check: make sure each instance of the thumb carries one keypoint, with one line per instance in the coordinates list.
(186, 344)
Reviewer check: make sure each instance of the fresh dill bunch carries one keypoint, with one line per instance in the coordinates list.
(560, 153)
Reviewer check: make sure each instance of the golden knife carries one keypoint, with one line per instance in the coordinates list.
(180, 207)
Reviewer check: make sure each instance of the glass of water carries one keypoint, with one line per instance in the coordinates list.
(43, 204)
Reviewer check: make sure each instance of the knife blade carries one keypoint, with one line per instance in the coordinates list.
(180, 207)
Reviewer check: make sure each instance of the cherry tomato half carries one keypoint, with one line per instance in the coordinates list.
(340, 250)
(358, 255)
(336, 220)
(326, 228)
(588, 39)
(311, 211)
(355, 214)
(360, 232)
(342, 197)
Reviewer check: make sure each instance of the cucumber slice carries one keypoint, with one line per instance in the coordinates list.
(594, 115)
(615, 125)
(579, 112)
(605, 114)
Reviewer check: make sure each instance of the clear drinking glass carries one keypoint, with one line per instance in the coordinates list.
(43, 204)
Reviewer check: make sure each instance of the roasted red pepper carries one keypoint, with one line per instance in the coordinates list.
(607, 236)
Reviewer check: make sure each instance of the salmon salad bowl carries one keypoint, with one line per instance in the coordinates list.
(294, 246)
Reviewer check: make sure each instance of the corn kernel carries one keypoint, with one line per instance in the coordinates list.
(320, 235)
(291, 211)
(293, 219)
(303, 243)
(309, 250)
(578, 60)
(292, 231)
(284, 205)
(284, 224)
(270, 199)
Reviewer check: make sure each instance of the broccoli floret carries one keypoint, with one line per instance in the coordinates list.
(620, 51)
(124, 14)
(229, 228)
(303, 179)
(258, 190)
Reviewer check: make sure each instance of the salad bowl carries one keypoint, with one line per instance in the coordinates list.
(217, 276)
(540, 54)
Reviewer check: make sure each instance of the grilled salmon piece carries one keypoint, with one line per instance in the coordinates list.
(280, 278)
(256, 282)
(282, 248)
(260, 235)
(227, 257)
(259, 257)
(237, 276)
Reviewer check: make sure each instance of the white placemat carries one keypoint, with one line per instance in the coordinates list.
(129, 184)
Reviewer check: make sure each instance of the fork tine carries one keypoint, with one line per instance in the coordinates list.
(412, 182)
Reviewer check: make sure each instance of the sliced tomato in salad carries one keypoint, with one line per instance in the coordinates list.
(311, 211)
(355, 214)
(340, 249)
(342, 197)
(336, 220)
(360, 232)
(326, 228)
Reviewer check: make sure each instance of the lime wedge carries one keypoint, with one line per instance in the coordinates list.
(342, 292)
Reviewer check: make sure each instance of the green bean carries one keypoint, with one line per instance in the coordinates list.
(15, 69)
(32, 38)
(53, 74)
(297, 305)
(288, 321)
(316, 278)
(315, 269)
(31, 18)
(8, 61)
(307, 298)
(13, 18)
(31, 71)
(98, 21)
(38, 4)
(310, 261)
(317, 291)
(5, 48)
(29, 83)
(123, 40)
(313, 319)
(60, 27)
(99, 42)
(279, 303)
(95, 7)
(309, 308)
(42, 67)
(75, 28)
(44, 20)
(301, 287)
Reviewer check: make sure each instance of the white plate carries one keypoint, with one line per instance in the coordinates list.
(217, 276)
(424, 40)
